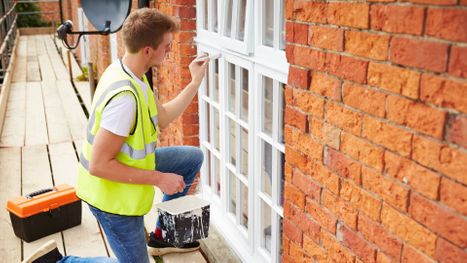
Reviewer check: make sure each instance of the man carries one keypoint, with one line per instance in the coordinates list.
(119, 164)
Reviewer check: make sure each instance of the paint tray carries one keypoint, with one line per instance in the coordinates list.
(44, 212)
(184, 220)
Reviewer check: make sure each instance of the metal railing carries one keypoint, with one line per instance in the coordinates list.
(8, 34)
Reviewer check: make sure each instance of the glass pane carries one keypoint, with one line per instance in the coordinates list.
(244, 151)
(217, 176)
(232, 142)
(281, 112)
(268, 22)
(267, 105)
(281, 178)
(231, 93)
(282, 23)
(215, 95)
(214, 16)
(279, 238)
(265, 226)
(215, 116)
(208, 120)
(205, 3)
(244, 205)
(266, 167)
(229, 18)
(244, 96)
(241, 20)
(232, 193)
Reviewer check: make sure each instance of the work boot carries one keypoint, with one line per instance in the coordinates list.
(47, 253)
(158, 247)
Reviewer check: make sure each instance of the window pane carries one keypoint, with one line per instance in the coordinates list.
(231, 93)
(281, 178)
(268, 22)
(232, 142)
(214, 11)
(244, 151)
(232, 193)
(265, 226)
(266, 170)
(241, 20)
(229, 17)
(282, 32)
(279, 238)
(244, 205)
(267, 105)
(215, 95)
(215, 115)
(281, 112)
(205, 3)
(244, 96)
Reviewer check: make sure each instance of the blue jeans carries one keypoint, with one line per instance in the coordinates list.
(126, 234)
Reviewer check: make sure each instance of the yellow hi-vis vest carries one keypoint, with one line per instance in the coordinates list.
(137, 151)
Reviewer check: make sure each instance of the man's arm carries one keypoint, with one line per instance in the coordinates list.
(171, 110)
(103, 164)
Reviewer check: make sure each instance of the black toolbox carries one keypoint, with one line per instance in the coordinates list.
(44, 212)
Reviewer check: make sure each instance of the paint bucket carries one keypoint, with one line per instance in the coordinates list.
(184, 220)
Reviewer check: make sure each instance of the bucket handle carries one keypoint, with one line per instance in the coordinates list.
(38, 192)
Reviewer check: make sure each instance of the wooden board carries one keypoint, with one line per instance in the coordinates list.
(40, 45)
(64, 169)
(34, 74)
(74, 113)
(10, 183)
(31, 46)
(46, 69)
(36, 127)
(84, 92)
(20, 71)
(57, 124)
(13, 132)
(36, 175)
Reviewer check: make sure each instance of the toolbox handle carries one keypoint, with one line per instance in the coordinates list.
(38, 192)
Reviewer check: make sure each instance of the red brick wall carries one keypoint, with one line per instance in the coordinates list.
(376, 131)
(50, 7)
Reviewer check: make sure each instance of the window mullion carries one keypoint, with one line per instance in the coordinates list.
(277, 24)
(235, 18)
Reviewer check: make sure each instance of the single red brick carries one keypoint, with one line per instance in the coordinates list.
(309, 58)
(357, 96)
(387, 135)
(344, 118)
(342, 165)
(411, 255)
(444, 92)
(458, 61)
(321, 215)
(397, 19)
(300, 33)
(416, 176)
(447, 252)
(391, 191)
(309, 11)
(185, 11)
(310, 147)
(294, 195)
(394, 79)
(326, 37)
(419, 53)
(295, 158)
(439, 219)
(306, 185)
(292, 232)
(326, 85)
(299, 78)
(309, 103)
(348, 14)
(377, 234)
(450, 24)
(289, 53)
(367, 45)
(289, 32)
(346, 67)
(357, 244)
(454, 195)
(457, 130)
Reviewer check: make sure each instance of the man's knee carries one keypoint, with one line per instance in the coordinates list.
(198, 156)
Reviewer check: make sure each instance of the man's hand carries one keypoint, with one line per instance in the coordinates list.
(198, 69)
(170, 183)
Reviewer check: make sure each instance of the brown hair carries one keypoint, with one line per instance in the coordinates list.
(146, 27)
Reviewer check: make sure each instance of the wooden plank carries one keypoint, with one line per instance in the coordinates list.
(20, 71)
(31, 47)
(74, 113)
(58, 65)
(40, 45)
(64, 169)
(36, 127)
(13, 132)
(10, 182)
(34, 74)
(57, 125)
(46, 69)
(36, 175)
(22, 46)
(84, 92)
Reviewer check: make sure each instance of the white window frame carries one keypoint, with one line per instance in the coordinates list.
(246, 243)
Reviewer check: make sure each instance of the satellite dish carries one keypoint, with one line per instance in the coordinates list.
(107, 16)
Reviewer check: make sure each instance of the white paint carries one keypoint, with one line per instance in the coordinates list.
(183, 204)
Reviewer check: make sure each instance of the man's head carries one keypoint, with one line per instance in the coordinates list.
(150, 32)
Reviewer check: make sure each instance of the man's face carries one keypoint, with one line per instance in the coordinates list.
(157, 55)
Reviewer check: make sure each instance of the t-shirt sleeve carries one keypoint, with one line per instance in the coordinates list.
(119, 114)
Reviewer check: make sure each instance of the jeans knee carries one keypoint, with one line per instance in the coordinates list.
(198, 156)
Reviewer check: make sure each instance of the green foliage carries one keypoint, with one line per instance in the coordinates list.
(29, 20)
(85, 75)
